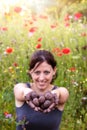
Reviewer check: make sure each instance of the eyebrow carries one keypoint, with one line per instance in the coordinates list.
(37, 64)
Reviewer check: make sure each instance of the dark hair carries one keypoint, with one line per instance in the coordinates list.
(40, 56)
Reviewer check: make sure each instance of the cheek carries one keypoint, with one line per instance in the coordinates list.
(34, 77)
(50, 77)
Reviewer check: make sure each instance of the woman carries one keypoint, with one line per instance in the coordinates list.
(42, 69)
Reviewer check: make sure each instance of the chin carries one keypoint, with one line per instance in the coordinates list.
(42, 87)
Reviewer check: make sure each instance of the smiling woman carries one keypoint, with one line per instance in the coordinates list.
(40, 104)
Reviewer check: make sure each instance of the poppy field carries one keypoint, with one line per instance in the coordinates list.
(21, 33)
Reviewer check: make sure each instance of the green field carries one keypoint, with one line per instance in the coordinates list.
(21, 33)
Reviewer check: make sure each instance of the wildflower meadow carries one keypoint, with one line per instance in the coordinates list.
(23, 31)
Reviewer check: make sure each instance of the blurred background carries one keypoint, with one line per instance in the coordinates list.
(54, 25)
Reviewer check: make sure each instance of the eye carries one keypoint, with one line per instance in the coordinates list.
(46, 72)
(37, 72)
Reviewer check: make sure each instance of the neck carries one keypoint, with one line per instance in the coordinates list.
(41, 91)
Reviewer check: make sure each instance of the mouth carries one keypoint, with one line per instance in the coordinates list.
(42, 84)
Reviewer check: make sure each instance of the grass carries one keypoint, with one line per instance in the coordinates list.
(57, 35)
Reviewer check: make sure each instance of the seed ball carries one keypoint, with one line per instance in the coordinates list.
(36, 101)
(47, 103)
(42, 107)
(41, 99)
(48, 95)
(34, 95)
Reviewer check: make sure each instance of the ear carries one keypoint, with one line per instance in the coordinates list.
(29, 72)
(55, 70)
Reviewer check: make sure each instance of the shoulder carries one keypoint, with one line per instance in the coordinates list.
(63, 90)
(20, 85)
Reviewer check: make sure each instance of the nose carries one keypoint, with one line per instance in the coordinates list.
(41, 77)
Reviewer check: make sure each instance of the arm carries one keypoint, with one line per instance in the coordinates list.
(20, 90)
(63, 96)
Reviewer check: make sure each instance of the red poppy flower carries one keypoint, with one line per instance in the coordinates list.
(9, 50)
(4, 28)
(77, 16)
(53, 26)
(66, 50)
(17, 9)
(56, 50)
(72, 69)
(33, 29)
(83, 34)
(59, 54)
(39, 39)
(38, 46)
(67, 24)
(30, 22)
(15, 64)
(67, 17)
(7, 115)
(43, 16)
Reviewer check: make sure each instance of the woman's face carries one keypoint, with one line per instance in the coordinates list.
(42, 75)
